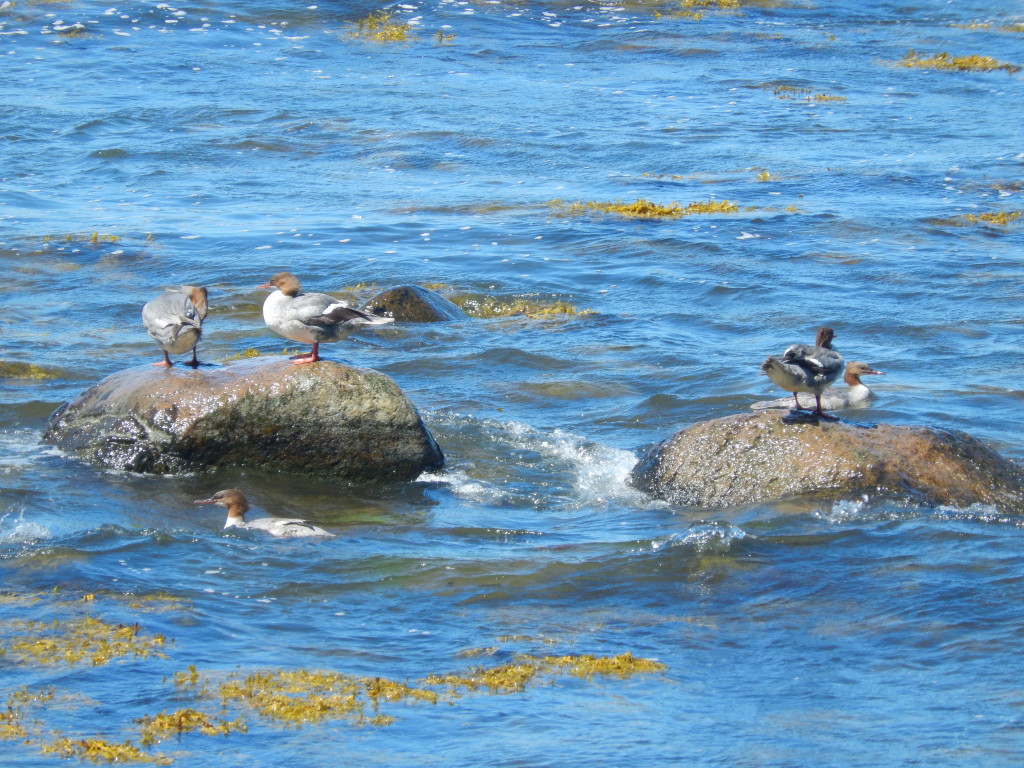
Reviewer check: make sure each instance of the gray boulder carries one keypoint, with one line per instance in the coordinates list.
(749, 459)
(325, 418)
(414, 304)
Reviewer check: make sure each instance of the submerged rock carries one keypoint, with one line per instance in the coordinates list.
(749, 459)
(325, 418)
(414, 304)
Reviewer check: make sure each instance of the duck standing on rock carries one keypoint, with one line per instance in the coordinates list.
(282, 528)
(805, 368)
(310, 318)
(857, 393)
(175, 320)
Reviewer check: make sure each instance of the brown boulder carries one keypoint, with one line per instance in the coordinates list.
(414, 304)
(750, 459)
(324, 418)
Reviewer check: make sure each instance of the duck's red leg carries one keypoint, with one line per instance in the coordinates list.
(819, 412)
(312, 357)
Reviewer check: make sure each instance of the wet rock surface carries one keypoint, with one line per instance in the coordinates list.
(325, 418)
(414, 304)
(749, 459)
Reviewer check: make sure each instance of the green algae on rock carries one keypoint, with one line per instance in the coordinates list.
(495, 306)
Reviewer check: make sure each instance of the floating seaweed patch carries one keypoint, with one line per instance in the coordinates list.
(946, 62)
(645, 209)
(101, 750)
(513, 676)
(587, 666)
(1000, 218)
(380, 27)
(507, 678)
(805, 94)
(245, 354)
(17, 370)
(12, 719)
(95, 238)
(156, 728)
(697, 9)
(297, 697)
(72, 641)
(473, 653)
(157, 602)
(984, 26)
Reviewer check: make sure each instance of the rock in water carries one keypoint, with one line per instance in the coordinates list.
(414, 304)
(750, 459)
(326, 419)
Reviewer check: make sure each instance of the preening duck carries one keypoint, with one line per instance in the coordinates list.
(310, 318)
(175, 321)
(856, 394)
(283, 528)
(806, 368)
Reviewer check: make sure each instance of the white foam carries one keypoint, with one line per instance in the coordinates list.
(15, 529)
(21, 448)
(581, 472)
(703, 536)
(464, 486)
(845, 510)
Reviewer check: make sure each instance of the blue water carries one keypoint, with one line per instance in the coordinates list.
(219, 143)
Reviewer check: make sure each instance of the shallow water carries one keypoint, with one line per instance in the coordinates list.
(220, 143)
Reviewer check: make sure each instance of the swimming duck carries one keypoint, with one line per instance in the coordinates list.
(832, 400)
(175, 321)
(805, 368)
(282, 528)
(310, 318)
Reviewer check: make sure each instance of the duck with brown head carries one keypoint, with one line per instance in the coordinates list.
(283, 528)
(857, 393)
(310, 318)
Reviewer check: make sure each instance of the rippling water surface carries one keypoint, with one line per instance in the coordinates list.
(148, 145)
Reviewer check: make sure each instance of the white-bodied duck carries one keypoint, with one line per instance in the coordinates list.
(282, 528)
(310, 318)
(175, 321)
(856, 394)
(806, 368)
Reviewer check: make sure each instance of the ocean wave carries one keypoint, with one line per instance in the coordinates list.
(705, 537)
(21, 449)
(15, 529)
(576, 472)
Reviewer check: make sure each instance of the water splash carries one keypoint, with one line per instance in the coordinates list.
(15, 529)
(504, 461)
(21, 449)
(705, 537)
